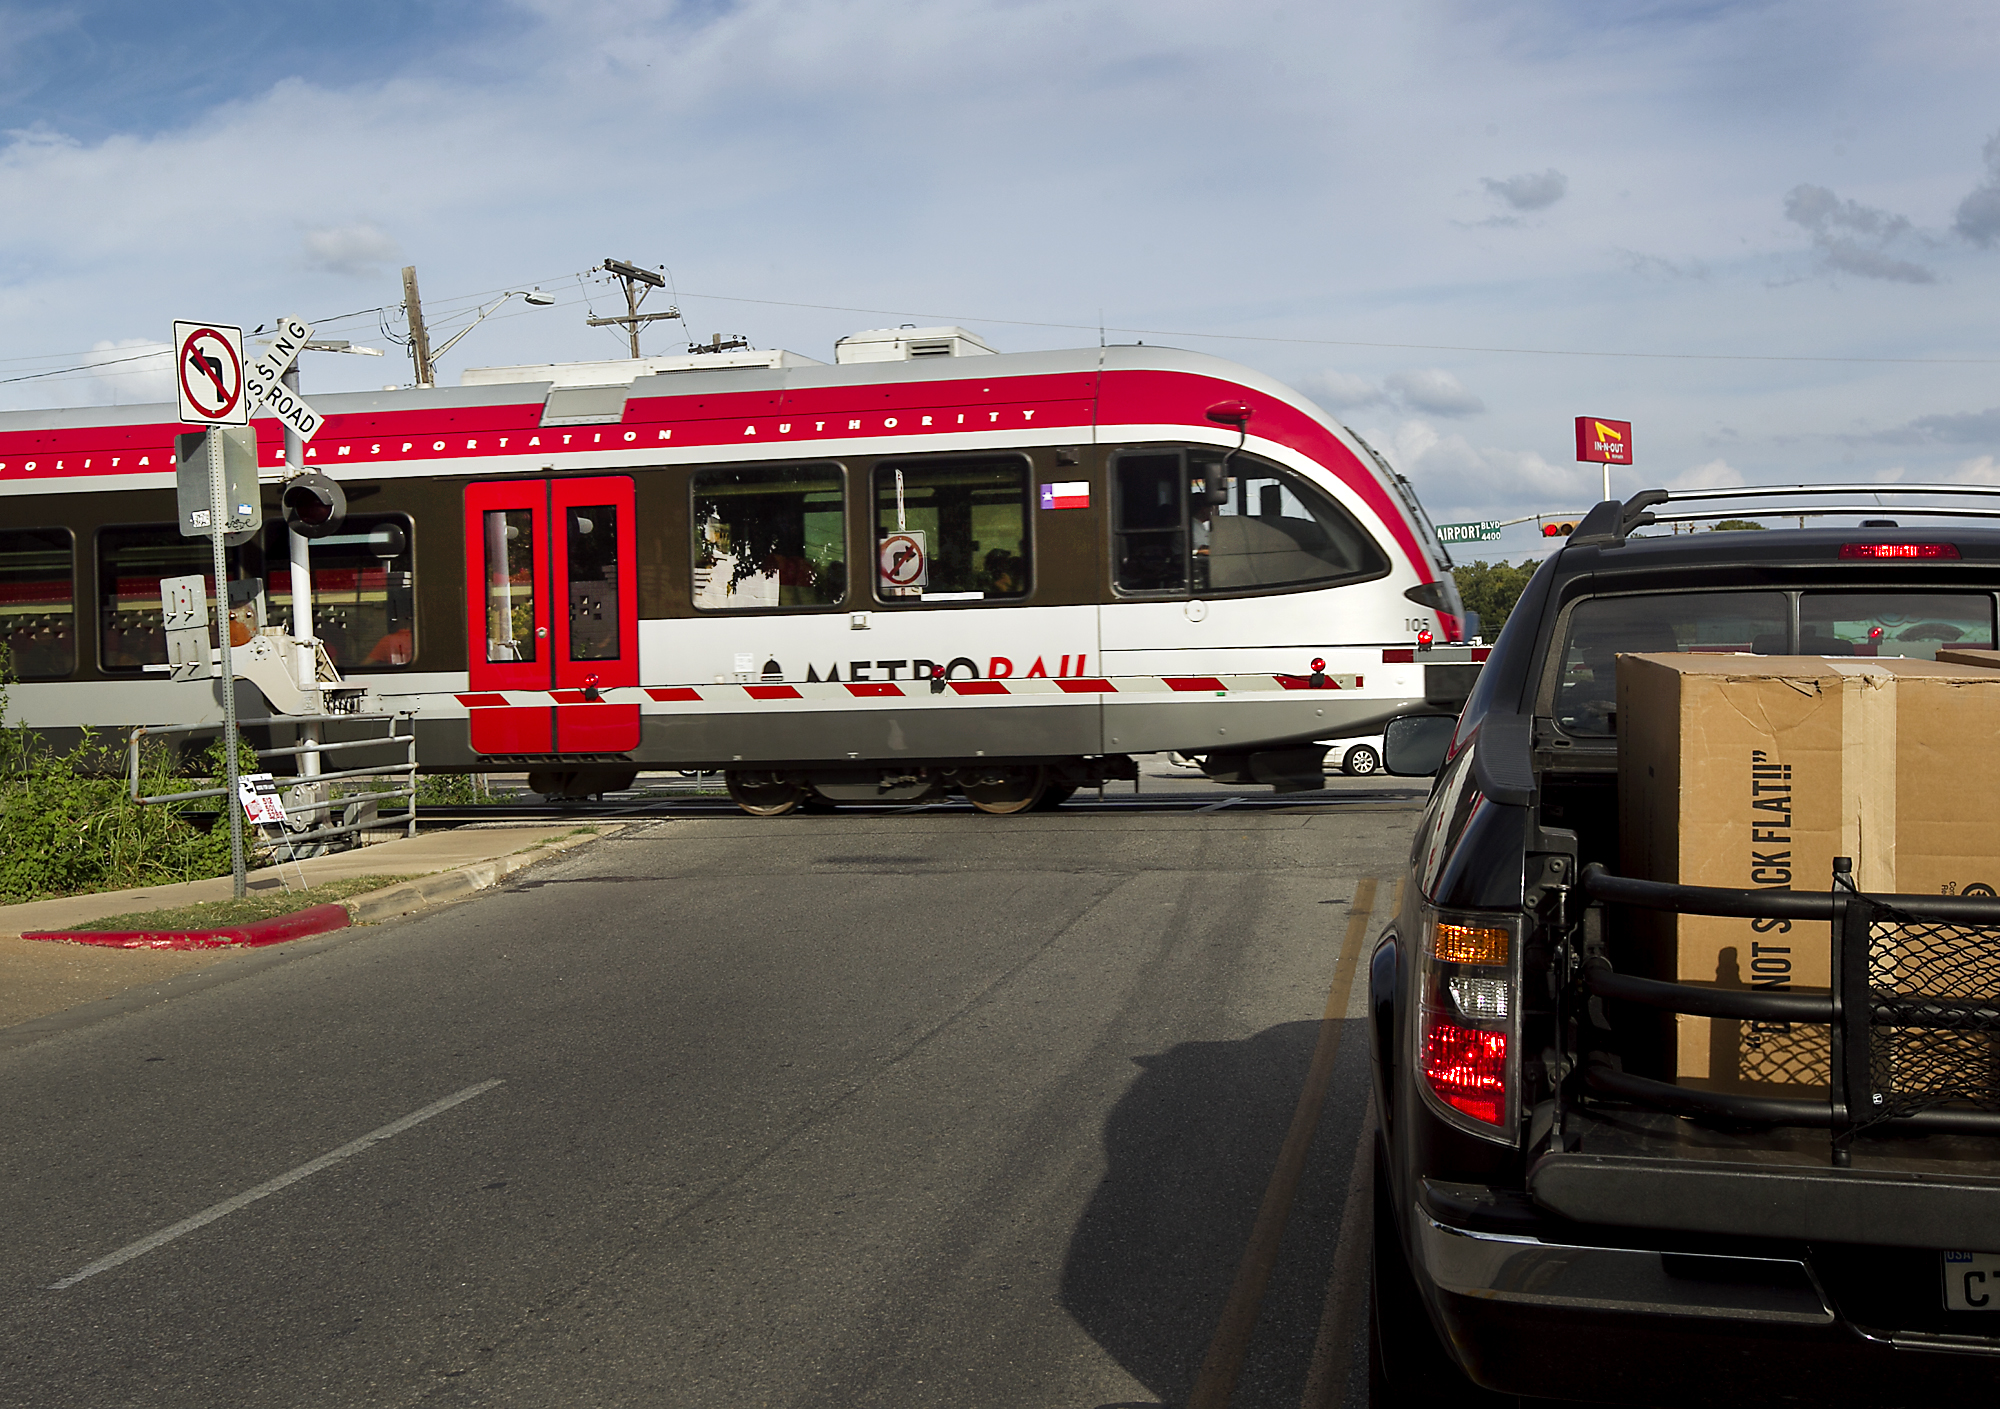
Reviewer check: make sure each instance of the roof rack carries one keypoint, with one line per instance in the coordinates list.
(1765, 491)
(1611, 522)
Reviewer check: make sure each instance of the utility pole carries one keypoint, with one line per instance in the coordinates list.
(232, 807)
(302, 614)
(420, 339)
(631, 276)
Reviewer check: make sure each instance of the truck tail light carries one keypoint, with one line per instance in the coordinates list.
(1467, 1067)
(1468, 1011)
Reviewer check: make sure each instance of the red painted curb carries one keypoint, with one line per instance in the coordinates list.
(318, 920)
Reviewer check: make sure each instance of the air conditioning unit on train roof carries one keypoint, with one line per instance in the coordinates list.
(625, 370)
(907, 344)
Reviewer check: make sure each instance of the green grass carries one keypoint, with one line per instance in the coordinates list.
(216, 914)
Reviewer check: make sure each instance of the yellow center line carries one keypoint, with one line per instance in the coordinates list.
(1231, 1342)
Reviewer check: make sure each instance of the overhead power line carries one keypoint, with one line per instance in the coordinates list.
(450, 302)
(1350, 342)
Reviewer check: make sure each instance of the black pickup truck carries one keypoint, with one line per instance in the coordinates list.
(1553, 1219)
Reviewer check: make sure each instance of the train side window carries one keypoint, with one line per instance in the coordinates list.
(38, 601)
(769, 536)
(363, 587)
(1277, 531)
(131, 560)
(952, 530)
(593, 581)
(1151, 507)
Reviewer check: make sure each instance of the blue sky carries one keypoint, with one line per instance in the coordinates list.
(1414, 212)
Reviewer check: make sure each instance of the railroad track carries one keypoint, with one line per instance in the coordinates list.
(717, 806)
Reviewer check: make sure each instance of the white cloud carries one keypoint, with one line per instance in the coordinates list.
(130, 371)
(1453, 475)
(1531, 190)
(1979, 470)
(1716, 474)
(1430, 390)
(1435, 391)
(922, 163)
(1341, 391)
(358, 248)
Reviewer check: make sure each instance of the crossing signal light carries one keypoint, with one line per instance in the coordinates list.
(1562, 529)
(314, 506)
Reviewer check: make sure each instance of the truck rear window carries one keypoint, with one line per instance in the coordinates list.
(1755, 623)
(1909, 624)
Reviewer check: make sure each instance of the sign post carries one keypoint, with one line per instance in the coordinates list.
(209, 362)
(1485, 532)
(1605, 443)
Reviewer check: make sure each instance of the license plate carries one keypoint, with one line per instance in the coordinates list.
(1972, 1281)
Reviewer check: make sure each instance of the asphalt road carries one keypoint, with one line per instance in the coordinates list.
(906, 1108)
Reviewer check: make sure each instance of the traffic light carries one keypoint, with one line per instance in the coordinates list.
(1558, 530)
(314, 506)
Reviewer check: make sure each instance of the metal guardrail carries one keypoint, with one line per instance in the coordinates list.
(1913, 1013)
(406, 769)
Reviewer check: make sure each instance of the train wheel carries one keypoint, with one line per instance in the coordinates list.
(1055, 796)
(763, 794)
(1005, 791)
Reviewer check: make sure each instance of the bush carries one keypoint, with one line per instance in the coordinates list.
(1491, 590)
(454, 789)
(67, 829)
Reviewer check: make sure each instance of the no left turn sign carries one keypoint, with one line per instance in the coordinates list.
(208, 366)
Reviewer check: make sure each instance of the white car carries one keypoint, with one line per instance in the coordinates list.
(1355, 757)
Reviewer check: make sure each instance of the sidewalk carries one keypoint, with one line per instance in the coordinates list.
(37, 979)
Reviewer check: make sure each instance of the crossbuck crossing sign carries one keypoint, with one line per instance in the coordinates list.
(216, 389)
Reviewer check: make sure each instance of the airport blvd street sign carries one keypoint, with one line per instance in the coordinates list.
(1487, 532)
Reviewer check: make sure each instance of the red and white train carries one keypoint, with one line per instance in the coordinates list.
(923, 568)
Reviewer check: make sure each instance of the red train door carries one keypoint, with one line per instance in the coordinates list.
(552, 610)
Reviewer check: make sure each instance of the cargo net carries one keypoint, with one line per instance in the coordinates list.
(1935, 1021)
(1785, 1054)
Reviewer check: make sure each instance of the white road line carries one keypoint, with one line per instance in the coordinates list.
(1218, 806)
(285, 1180)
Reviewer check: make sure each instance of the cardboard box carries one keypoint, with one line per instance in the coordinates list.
(1748, 771)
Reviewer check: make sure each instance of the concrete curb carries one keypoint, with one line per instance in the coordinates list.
(316, 919)
(445, 886)
(372, 908)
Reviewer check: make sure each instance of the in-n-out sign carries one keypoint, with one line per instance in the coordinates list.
(1603, 442)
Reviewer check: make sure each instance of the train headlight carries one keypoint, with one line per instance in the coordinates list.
(314, 506)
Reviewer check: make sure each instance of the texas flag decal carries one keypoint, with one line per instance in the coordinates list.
(1073, 495)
